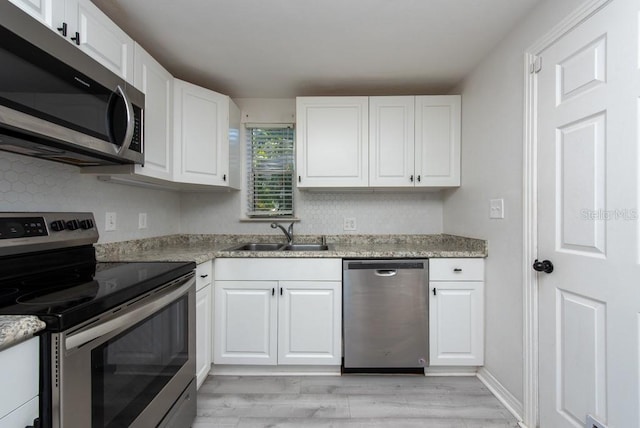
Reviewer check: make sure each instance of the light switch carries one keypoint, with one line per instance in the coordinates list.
(142, 220)
(496, 208)
(110, 222)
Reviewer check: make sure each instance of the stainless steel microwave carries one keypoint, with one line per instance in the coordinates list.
(59, 104)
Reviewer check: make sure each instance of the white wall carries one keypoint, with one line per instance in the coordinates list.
(492, 142)
(319, 213)
(31, 184)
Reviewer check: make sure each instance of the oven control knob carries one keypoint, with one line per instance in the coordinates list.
(57, 225)
(86, 224)
(73, 224)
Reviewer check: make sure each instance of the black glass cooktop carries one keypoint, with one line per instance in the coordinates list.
(64, 294)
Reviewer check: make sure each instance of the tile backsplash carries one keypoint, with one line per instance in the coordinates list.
(31, 184)
(321, 213)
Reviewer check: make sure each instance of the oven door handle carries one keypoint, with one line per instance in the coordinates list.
(128, 319)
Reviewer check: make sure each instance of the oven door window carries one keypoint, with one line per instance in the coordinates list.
(129, 370)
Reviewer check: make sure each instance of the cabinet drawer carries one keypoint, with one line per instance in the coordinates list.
(19, 374)
(456, 269)
(22, 416)
(203, 275)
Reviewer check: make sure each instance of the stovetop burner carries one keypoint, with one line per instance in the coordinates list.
(52, 273)
(60, 295)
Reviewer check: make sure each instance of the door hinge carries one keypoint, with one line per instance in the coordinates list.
(536, 65)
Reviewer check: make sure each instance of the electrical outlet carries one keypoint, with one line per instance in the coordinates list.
(142, 220)
(496, 208)
(349, 223)
(109, 222)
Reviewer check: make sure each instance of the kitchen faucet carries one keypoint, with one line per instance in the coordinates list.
(288, 232)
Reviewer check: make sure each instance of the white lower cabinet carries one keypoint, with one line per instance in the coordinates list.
(19, 368)
(456, 312)
(203, 321)
(278, 311)
(309, 322)
(246, 323)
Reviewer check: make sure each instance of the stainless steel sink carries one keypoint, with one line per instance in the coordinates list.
(272, 246)
(305, 247)
(257, 246)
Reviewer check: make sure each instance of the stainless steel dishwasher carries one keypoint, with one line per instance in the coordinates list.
(385, 315)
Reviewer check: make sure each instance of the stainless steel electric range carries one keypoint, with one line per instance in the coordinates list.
(119, 345)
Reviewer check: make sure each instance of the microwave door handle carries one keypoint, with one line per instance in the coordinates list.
(128, 135)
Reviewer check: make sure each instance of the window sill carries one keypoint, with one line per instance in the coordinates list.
(269, 220)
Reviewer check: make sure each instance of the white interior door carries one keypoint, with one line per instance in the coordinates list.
(589, 306)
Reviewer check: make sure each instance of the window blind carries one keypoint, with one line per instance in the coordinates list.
(270, 157)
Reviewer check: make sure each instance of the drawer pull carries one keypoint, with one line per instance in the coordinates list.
(204, 276)
(457, 270)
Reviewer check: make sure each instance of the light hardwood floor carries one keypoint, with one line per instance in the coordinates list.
(348, 401)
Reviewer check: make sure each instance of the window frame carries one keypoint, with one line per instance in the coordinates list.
(255, 215)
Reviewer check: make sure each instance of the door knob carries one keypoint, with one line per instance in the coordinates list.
(543, 266)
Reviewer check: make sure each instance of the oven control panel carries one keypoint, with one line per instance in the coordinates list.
(22, 227)
(29, 231)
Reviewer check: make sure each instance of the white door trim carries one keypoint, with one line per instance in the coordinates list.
(529, 201)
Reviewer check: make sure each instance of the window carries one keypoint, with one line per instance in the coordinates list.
(270, 167)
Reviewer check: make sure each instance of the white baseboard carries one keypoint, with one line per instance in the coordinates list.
(450, 371)
(502, 394)
(250, 370)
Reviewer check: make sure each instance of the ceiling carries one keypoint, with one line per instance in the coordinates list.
(285, 48)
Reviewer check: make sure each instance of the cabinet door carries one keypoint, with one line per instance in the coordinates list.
(100, 38)
(23, 416)
(19, 368)
(332, 138)
(437, 139)
(456, 318)
(203, 333)
(200, 135)
(157, 84)
(245, 322)
(391, 141)
(310, 323)
(48, 12)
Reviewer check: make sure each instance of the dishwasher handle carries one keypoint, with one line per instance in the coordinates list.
(386, 272)
(385, 265)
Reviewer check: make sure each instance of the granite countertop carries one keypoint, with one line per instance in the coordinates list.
(16, 328)
(201, 248)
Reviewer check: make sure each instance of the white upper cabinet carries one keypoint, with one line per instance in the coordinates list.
(100, 37)
(83, 24)
(157, 84)
(48, 12)
(437, 137)
(378, 142)
(332, 140)
(206, 137)
(391, 141)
